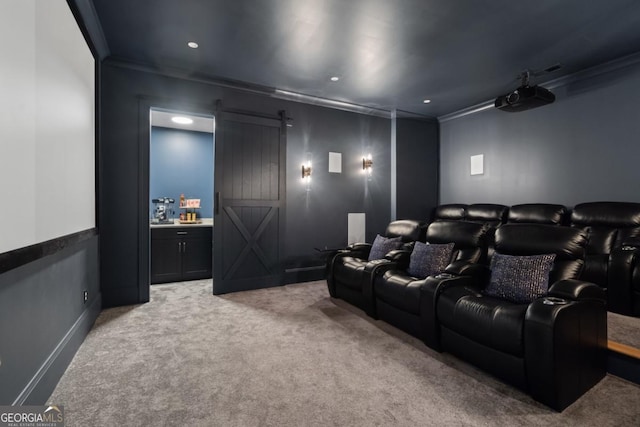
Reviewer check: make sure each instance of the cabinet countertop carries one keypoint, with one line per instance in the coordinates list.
(206, 222)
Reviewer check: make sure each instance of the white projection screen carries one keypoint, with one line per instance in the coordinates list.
(47, 115)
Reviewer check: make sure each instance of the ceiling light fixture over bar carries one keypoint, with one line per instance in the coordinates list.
(182, 120)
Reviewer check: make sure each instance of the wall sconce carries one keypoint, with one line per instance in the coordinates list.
(367, 164)
(306, 171)
(306, 174)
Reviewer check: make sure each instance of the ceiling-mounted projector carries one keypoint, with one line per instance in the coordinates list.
(526, 96)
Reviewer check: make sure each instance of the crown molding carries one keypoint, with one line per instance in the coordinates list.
(87, 17)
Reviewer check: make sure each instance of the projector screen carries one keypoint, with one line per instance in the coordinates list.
(47, 111)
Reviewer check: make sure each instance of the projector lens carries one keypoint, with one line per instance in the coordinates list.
(513, 97)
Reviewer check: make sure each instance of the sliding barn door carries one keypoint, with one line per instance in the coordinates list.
(249, 203)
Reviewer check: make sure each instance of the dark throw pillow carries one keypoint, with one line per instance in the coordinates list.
(519, 279)
(429, 260)
(383, 245)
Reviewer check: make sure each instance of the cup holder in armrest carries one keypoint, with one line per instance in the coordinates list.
(554, 301)
(445, 276)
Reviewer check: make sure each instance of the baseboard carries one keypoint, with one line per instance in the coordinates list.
(46, 378)
(304, 274)
(121, 296)
(623, 366)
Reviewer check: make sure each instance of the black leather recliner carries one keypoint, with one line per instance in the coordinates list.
(613, 252)
(397, 293)
(554, 347)
(350, 273)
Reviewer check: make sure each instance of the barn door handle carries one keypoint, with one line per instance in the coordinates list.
(217, 202)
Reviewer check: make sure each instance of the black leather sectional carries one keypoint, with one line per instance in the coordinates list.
(524, 292)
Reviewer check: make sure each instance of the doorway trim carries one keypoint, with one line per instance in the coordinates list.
(145, 104)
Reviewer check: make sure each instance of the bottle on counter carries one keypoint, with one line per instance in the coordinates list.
(182, 202)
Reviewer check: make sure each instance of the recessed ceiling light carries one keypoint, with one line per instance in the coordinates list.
(192, 45)
(335, 78)
(181, 120)
(426, 101)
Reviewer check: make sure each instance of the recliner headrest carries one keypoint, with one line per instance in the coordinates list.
(450, 211)
(410, 230)
(462, 233)
(536, 239)
(610, 214)
(538, 213)
(487, 212)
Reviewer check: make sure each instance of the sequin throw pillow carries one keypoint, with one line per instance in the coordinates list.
(519, 279)
(429, 260)
(382, 245)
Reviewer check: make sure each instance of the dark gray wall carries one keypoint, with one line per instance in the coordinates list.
(315, 218)
(44, 319)
(582, 148)
(417, 159)
(318, 217)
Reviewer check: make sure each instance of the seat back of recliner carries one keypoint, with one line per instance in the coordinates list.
(569, 245)
(410, 230)
(608, 225)
(469, 239)
(450, 212)
(538, 213)
(488, 213)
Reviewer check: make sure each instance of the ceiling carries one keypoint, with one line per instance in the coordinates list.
(389, 54)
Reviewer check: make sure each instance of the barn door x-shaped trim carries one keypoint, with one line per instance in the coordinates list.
(252, 239)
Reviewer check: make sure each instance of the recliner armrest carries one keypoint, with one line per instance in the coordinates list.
(358, 250)
(565, 343)
(623, 279)
(400, 257)
(356, 246)
(576, 290)
(373, 266)
(479, 272)
(397, 255)
(631, 243)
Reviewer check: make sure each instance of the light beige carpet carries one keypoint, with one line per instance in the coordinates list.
(291, 356)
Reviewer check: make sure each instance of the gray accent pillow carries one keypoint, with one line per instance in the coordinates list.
(429, 260)
(383, 245)
(519, 279)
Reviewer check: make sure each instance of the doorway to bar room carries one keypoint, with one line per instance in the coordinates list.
(181, 187)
